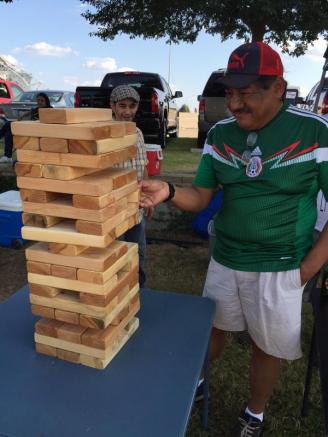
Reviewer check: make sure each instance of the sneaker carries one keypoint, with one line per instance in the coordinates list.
(199, 396)
(5, 160)
(248, 426)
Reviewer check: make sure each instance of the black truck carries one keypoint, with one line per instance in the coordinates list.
(157, 112)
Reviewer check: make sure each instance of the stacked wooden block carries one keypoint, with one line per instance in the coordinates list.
(83, 282)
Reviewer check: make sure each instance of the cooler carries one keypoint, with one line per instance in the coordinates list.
(154, 156)
(11, 219)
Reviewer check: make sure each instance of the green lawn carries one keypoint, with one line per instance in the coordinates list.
(177, 156)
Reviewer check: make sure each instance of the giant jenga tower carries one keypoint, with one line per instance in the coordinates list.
(83, 282)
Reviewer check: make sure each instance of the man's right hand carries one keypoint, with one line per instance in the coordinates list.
(153, 192)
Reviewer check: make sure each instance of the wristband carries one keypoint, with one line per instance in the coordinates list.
(171, 192)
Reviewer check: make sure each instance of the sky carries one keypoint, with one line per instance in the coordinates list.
(50, 39)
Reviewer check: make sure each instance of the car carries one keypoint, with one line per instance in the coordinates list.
(27, 100)
(323, 98)
(212, 107)
(9, 90)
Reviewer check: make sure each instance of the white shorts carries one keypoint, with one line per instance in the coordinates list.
(266, 304)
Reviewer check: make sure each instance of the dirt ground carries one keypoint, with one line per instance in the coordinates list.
(12, 271)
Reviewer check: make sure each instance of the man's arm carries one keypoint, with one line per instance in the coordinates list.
(192, 199)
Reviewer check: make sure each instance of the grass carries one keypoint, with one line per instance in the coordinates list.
(177, 156)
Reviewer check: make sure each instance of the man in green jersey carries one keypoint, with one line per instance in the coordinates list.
(271, 159)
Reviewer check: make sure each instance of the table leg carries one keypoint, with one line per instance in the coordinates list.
(206, 384)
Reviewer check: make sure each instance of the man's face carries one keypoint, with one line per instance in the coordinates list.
(125, 110)
(254, 106)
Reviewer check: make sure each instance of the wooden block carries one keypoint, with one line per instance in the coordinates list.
(98, 202)
(70, 303)
(48, 327)
(59, 145)
(102, 339)
(63, 172)
(75, 160)
(45, 349)
(37, 196)
(39, 221)
(90, 322)
(59, 343)
(38, 267)
(72, 333)
(65, 232)
(96, 184)
(28, 170)
(63, 271)
(64, 249)
(28, 143)
(67, 316)
(103, 277)
(97, 363)
(91, 258)
(44, 290)
(104, 228)
(63, 207)
(73, 115)
(42, 311)
(87, 131)
(99, 147)
(70, 284)
(72, 357)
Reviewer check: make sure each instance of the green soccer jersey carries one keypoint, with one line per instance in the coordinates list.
(268, 209)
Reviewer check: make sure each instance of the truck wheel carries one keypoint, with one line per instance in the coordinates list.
(162, 136)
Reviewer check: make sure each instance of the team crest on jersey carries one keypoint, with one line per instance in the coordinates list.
(254, 167)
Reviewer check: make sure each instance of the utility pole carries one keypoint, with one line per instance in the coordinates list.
(169, 73)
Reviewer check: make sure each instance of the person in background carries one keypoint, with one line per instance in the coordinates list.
(5, 131)
(271, 159)
(124, 101)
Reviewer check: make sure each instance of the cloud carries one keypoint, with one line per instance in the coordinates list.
(316, 52)
(11, 60)
(105, 64)
(74, 81)
(45, 49)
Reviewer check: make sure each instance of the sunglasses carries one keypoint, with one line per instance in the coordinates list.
(250, 143)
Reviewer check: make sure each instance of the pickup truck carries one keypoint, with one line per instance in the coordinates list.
(9, 90)
(157, 113)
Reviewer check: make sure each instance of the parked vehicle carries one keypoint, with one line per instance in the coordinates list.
(212, 107)
(157, 112)
(27, 100)
(9, 90)
(323, 99)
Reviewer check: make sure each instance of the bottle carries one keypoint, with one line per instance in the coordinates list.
(324, 286)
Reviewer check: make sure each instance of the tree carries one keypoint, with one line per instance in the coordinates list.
(184, 108)
(6, 1)
(299, 22)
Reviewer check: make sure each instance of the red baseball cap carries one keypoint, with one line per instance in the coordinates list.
(249, 62)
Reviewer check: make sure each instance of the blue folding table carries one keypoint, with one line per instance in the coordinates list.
(146, 391)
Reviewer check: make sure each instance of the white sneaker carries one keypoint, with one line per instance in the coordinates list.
(5, 160)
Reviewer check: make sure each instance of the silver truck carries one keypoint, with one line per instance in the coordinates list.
(22, 104)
